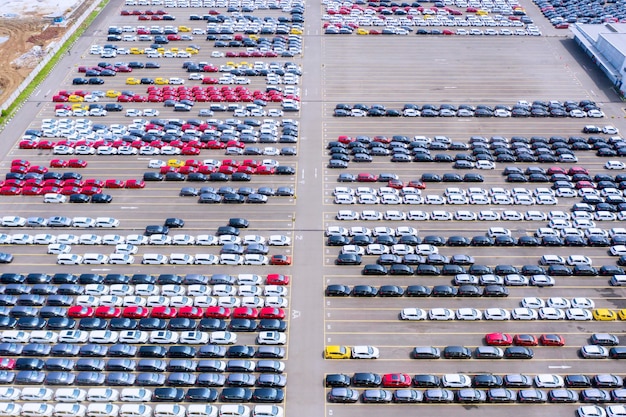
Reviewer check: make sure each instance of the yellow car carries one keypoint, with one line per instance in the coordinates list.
(622, 314)
(174, 49)
(604, 314)
(254, 37)
(184, 29)
(176, 163)
(161, 81)
(296, 31)
(132, 81)
(482, 13)
(78, 106)
(360, 31)
(113, 94)
(136, 51)
(337, 352)
(191, 50)
(75, 98)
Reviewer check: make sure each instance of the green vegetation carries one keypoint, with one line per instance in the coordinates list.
(45, 71)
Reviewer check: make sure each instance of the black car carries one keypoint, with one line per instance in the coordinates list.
(457, 352)
(235, 394)
(373, 269)
(366, 379)
(417, 291)
(207, 395)
(518, 352)
(338, 290)
(168, 394)
(268, 395)
(337, 380)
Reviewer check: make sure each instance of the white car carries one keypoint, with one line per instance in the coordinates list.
(183, 240)
(194, 338)
(89, 239)
(41, 239)
(440, 314)
(206, 240)
(579, 314)
(523, 313)
(279, 240)
(254, 259)
(271, 338)
(13, 221)
(163, 337)
(548, 381)
(616, 411)
(22, 239)
(468, 314)
(618, 250)
(614, 165)
(533, 302)
(488, 215)
(154, 259)
(377, 249)
(580, 302)
(412, 314)
(365, 352)
(69, 259)
(159, 239)
(550, 313)
(558, 302)
(456, 381)
(206, 259)
(137, 240)
(496, 314)
(73, 336)
(591, 411)
(223, 338)
(58, 248)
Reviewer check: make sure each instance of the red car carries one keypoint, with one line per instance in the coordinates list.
(227, 169)
(79, 312)
(38, 169)
(245, 313)
(280, 260)
(190, 312)
(108, 312)
(10, 191)
(19, 169)
(577, 170)
(272, 313)
(7, 363)
(135, 184)
(22, 162)
(13, 182)
(366, 177)
(396, 380)
(58, 163)
(76, 163)
(32, 190)
(397, 184)
(73, 182)
(190, 150)
(28, 144)
(525, 340)
(69, 190)
(163, 312)
(498, 339)
(90, 190)
(416, 184)
(263, 170)
(556, 170)
(135, 312)
(552, 340)
(277, 279)
(94, 182)
(52, 189)
(217, 312)
(585, 184)
(114, 184)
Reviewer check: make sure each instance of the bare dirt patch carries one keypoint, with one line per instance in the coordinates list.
(29, 33)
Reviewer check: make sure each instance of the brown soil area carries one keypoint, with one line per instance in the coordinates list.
(24, 34)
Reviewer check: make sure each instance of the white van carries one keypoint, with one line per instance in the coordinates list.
(617, 231)
(54, 198)
(135, 410)
(498, 231)
(232, 410)
(103, 410)
(37, 410)
(202, 410)
(69, 410)
(372, 215)
(169, 410)
(618, 280)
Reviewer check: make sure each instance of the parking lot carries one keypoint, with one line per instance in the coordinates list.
(462, 279)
